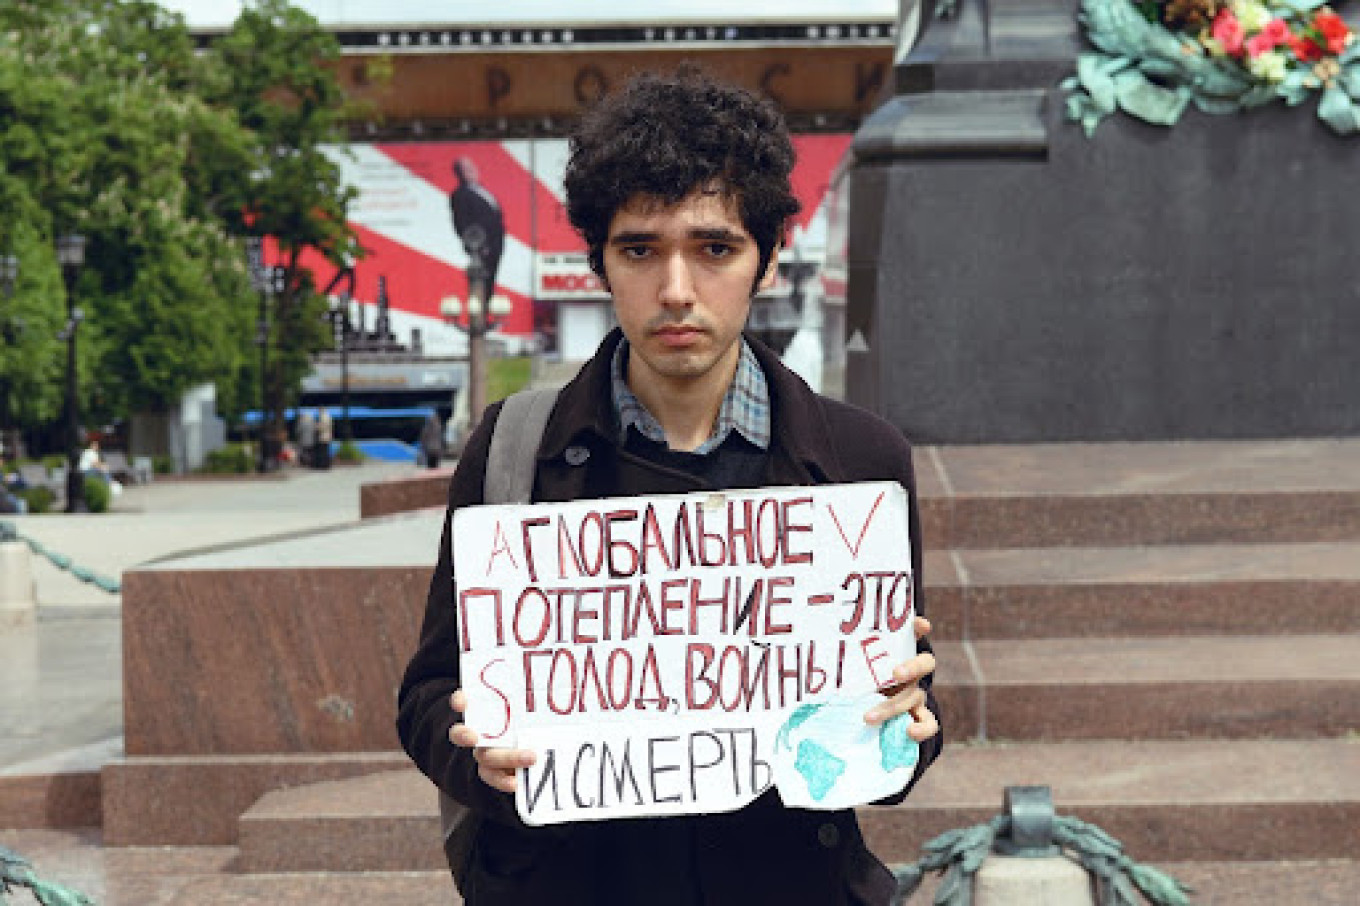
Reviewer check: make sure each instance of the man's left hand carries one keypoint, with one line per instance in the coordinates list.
(905, 696)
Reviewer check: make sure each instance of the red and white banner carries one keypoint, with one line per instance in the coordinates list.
(403, 217)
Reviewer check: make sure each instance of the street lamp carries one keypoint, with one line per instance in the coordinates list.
(268, 282)
(71, 256)
(475, 319)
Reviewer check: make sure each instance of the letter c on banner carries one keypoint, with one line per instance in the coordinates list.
(767, 78)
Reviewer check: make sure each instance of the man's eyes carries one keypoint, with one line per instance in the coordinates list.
(714, 250)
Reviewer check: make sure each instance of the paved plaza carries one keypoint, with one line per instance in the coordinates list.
(61, 675)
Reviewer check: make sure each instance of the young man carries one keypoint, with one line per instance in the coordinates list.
(680, 187)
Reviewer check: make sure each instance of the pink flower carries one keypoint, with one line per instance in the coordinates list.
(1259, 44)
(1273, 35)
(1228, 32)
(1276, 31)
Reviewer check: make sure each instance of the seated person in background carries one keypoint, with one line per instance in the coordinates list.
(92, 465)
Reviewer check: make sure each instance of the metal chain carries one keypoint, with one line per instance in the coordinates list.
(16, 871)
(9, 533)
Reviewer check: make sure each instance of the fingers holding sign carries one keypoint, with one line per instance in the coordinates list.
(498, 768)
(905, 696)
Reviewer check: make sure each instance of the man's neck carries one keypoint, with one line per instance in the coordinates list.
(686, 409)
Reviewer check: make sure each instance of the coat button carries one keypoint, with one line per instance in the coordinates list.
(829, 835)
(577, 455)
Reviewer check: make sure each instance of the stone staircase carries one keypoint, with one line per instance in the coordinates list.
(1167, 635)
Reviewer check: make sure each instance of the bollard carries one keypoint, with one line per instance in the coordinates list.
(1027, 855)
(1027, 868)
(18, 594)
(1015, 881)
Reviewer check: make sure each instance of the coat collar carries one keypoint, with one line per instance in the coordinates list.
(585, 412)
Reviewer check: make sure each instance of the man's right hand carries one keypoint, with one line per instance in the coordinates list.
(498, 768)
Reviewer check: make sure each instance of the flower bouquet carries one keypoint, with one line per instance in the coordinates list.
(1154, 58)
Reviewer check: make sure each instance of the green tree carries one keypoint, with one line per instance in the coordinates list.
(280, 79)
(105, 136)
(113, 125)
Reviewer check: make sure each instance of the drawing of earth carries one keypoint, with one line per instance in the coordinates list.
(826, 756)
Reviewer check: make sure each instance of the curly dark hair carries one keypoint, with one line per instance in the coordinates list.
(663, 137)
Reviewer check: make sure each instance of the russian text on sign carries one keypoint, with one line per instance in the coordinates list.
(681, 654)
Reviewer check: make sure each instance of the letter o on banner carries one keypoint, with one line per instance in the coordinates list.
(589, 85)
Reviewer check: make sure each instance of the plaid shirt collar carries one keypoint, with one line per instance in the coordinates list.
(745, 408)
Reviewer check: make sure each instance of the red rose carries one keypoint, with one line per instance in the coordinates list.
(1306, 49)
(1333, 29)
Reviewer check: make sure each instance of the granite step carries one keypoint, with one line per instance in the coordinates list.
(1180, 589)
(197, 800)
(418, 888)
(1199, 801)
(1248, 687)
(1120, 494)
(386, 821)
(1327, 882)
(206, 876)
(1099, 494)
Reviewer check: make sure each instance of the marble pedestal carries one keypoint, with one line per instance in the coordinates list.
(259, 667)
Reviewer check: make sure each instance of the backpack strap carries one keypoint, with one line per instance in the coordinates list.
(508, 478)
(512, 460)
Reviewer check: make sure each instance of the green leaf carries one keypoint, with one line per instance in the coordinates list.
(909, 878)
(1337, 110)
(950, 887)
(1160, 888)
(1349, 79)
(1149, 102)
(1099, 85)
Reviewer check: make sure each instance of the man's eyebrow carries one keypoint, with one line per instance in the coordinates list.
(707, 234)
(633, 236)
(717, 234)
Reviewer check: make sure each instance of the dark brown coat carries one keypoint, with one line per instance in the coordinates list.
(763, 853)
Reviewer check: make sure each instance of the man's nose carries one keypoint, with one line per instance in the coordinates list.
(677, 284)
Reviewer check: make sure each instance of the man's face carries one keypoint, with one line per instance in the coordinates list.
(681, 278)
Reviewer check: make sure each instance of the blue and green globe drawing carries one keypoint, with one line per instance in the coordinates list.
(828, 748)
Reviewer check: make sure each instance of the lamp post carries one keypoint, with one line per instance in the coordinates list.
(267, 281)
(71, 256)
(476, 319)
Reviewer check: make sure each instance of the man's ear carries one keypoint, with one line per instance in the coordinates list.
(771, 269)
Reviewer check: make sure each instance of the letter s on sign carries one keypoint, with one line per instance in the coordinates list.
(505, 702)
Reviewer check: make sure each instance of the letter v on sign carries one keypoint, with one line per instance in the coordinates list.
(864, 530)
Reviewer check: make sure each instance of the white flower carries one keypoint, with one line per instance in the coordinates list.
(1271, 66)
(1251, 13)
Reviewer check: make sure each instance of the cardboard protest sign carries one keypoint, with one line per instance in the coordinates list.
(681, 654)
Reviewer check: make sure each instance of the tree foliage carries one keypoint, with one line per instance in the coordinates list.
(113, 126)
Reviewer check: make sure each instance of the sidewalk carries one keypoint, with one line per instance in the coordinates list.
(61, 676)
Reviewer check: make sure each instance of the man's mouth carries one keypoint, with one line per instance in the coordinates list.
(676, 335)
